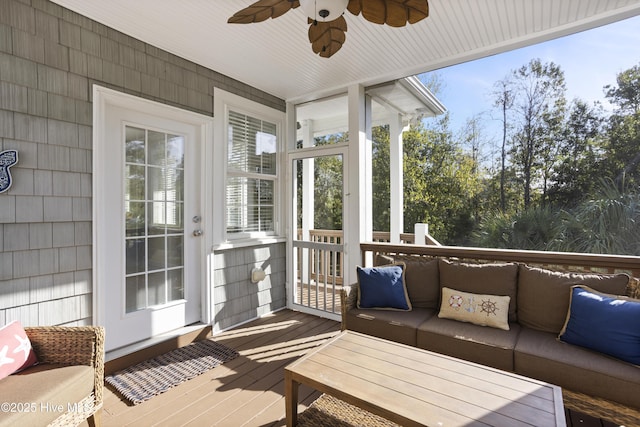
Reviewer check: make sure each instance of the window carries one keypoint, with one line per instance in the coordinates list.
(251, 175)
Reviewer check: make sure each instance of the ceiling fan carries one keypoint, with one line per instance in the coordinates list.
(327, 24)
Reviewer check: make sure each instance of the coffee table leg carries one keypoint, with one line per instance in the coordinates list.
(291, 399)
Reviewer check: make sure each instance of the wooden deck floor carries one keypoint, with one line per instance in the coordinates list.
(249, 390)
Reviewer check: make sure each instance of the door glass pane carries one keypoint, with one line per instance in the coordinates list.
(176, 284)
(175, 151)
(174, 255)
(157, 148)
(157, 288)
(135, 255)
(134, 218)
(155, 222)
(175, 217)
(135, 293)
(154, 217)
(134, 182)
(157, 254)
(134, 150)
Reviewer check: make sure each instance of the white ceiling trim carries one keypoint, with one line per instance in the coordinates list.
(275, 56)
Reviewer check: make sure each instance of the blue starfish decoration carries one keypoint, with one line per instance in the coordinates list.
(8, 158)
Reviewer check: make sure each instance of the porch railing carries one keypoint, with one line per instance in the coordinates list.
(319, 275)
(564, 261)
(320, 263)
(325, 269)
(319, 266)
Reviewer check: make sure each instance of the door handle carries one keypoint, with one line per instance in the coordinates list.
(197, 233)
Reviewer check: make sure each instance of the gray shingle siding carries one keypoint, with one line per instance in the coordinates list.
(50, 57)
(236, 298)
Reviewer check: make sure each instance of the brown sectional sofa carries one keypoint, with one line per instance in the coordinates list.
(539, 301)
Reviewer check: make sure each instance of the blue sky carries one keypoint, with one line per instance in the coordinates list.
(590, 60)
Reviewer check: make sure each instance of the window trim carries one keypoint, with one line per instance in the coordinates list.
(224, 102)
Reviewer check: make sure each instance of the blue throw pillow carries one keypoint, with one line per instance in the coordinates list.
(383, 288)
(606, 323)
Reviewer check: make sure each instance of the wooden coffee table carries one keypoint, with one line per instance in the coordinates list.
(414, 387)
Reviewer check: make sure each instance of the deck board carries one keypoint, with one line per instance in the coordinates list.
(249, 390)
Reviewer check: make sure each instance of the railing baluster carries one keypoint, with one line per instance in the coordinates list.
(322, 270)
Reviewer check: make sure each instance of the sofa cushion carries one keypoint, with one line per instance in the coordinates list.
(421, 277)
(51, 390)
(398, 326)
(383, 288)
(543, 295)
(479, 309)
(493, 279)
(541, 356)
(488, 346)
(16, 353)
(606, 323)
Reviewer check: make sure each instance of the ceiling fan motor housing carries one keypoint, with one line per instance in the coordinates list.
(324, 10)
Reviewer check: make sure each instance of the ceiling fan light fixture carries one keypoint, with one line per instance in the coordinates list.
(324, 10)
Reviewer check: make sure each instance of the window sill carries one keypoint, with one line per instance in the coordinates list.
(243, 243)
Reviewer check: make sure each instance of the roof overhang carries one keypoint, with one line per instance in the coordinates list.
(407, 98)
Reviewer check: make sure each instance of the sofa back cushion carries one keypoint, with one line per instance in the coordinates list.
(498, 279)
(543, 295)
(421, 276)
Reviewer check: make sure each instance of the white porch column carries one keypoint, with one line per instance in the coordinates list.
(308, 196)
(420, 232)
(396, 190)
(358, 225)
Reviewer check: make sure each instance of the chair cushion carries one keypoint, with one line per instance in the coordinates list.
(54, 389)
(541, 356)
(488, 346)
(493, 279)
(421, 277)
(398, 326)
(543, 295)
(606, 323)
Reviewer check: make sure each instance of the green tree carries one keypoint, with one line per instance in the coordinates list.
(624, 127)
(381, 179)
(580, 149)
(503, 100)
(607, 223)
(536, 228)
(538, 105)
(439, 182)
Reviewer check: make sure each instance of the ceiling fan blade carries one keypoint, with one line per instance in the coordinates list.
(395, 13)
(327, 37)
(263, 10)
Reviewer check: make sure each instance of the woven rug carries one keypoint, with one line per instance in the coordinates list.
(327, 411)
(141, 382)
(599, 408)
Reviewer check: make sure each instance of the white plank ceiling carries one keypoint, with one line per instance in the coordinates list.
(276, 57)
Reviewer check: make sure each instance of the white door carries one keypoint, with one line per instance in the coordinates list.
(318, 184)
(149, 223)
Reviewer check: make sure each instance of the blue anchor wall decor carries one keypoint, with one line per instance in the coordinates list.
(8, 158)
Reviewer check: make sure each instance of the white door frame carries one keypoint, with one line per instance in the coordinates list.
(104, 98)
(302, 154)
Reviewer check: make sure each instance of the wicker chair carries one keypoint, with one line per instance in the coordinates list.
(72, 346)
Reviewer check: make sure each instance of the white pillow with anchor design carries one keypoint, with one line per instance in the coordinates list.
(479, 309)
